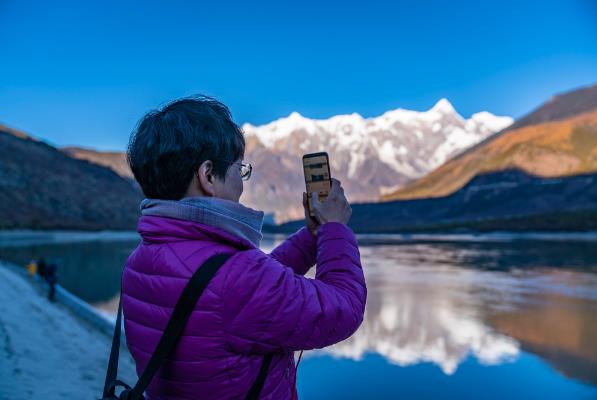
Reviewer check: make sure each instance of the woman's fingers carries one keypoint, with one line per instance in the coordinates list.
(335, 206)
(315, 200)
(335, 187)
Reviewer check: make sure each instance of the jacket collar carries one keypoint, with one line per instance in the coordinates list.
(233, 218)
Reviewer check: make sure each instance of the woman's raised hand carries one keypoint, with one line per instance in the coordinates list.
(335, 208)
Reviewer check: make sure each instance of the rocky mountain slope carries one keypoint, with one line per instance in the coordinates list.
(115, 160)
(557, 139)
(43, 188)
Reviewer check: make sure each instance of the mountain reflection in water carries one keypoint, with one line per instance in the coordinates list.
(444, 302)
(423, 313)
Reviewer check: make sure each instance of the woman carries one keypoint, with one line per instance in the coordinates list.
(188, 160)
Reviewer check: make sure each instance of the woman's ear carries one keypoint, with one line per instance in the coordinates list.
(206, 178)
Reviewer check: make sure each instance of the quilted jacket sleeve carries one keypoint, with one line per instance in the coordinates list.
(269, 308)
(297, 252)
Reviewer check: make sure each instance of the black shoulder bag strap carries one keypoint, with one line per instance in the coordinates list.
(182, 311)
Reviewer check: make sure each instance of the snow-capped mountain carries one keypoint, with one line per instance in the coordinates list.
(371, 156)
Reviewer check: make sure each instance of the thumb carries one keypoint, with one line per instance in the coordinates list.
(315, 199)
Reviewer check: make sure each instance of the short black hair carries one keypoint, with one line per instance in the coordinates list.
(168, 145)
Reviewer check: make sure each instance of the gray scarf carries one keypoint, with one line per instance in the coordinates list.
(225, 214)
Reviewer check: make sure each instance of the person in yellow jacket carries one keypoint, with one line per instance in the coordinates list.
(32, 268)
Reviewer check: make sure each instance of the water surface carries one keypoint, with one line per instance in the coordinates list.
(493, 316)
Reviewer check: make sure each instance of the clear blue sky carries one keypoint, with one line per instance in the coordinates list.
(83, 73)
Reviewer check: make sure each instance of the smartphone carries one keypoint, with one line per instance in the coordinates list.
(317, 176)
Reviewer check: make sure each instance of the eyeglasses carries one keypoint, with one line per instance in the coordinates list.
(245, 169)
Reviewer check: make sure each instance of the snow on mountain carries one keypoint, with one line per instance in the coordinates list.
(489, 121)
(369, 155)
(435, 135)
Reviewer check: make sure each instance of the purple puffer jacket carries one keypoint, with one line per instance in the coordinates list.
(256, 304)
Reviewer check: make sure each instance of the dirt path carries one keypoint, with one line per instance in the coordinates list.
(46, 352)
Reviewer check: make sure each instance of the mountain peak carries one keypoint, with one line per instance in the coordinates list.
(295, 116)
(443, 106)
(561, 106)
(494, 122)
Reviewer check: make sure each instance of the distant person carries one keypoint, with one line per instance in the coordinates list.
(31, 268)
(51, 274)
(41, 268)
(188, 159)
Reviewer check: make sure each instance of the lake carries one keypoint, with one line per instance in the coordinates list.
(463, 317)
